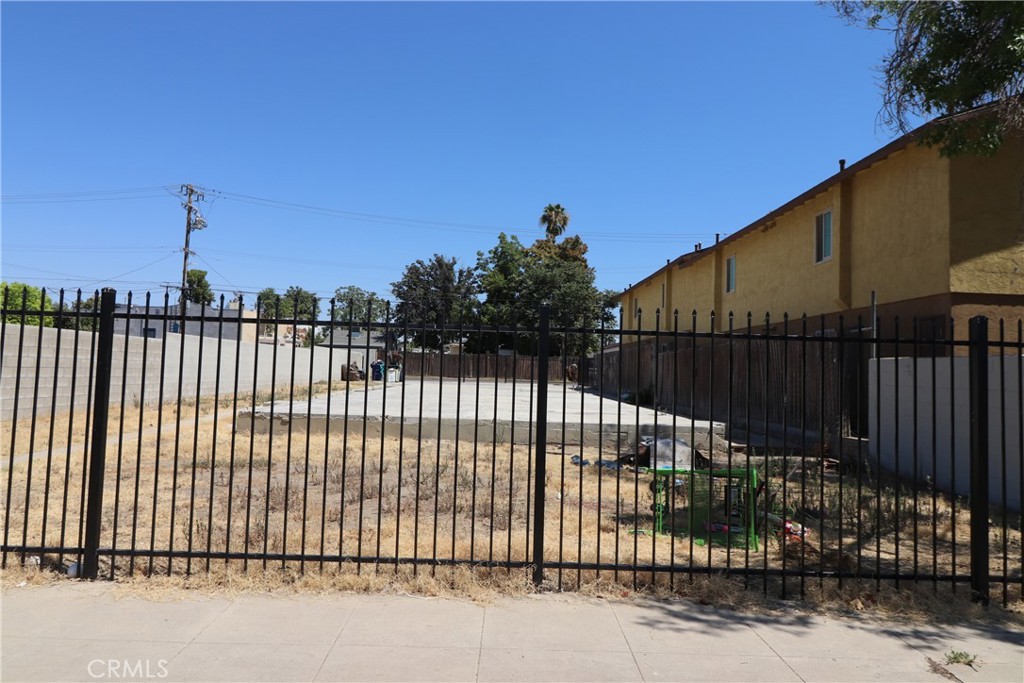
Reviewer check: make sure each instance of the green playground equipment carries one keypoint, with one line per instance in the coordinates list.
(711, 506)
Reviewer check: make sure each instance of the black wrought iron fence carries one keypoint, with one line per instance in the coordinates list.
(140, 440)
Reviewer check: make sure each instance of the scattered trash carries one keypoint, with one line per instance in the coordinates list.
(607, 464)
(73, 570)
(720, 528)
(794, 530)
(663, 454)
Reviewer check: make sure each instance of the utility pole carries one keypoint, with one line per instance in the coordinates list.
(193, 221)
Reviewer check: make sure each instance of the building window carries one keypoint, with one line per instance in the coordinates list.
(823, 237)
(663, 296)
(730, 274)
(150, 332)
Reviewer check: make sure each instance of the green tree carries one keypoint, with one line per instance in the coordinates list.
(296, 303)
(502, 277)
(267, 306)
(359, 305)
(516, 280)
(266, 299)
(197, 289)
(300, 304)
(81, 311)
(434, 292)
(554, 220)
(19, 297)
(949, 58)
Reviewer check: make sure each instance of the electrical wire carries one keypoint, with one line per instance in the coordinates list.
(77, 248)
(210, 265)
(355, 216)
(87, 193)
(135, 270)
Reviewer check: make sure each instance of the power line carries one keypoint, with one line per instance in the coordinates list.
(210, 266)
(134, 270)
(72, 197)
(77, 248)
(441, 225)
(85, 193)
(345, 214)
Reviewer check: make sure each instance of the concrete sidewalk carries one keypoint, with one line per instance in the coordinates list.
(83, 632)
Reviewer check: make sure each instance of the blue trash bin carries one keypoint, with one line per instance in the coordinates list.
(377, 368)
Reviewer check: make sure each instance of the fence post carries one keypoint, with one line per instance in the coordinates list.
(98, 449)
(978, 381)
(542, 445)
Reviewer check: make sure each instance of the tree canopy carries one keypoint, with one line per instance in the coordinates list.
(296, 303)
(197, 289)
(434, 292)
(359, 305)
(18, 297)
(516, 280)
(949, 58)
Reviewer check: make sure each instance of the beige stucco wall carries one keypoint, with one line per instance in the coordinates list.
(911, 227)
(693, 289)
(900, 232)
(775, 268)
(987, 222)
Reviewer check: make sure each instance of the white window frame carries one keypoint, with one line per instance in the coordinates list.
(730, 274)
(819, 238)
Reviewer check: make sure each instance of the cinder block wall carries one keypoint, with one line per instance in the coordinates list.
(46, 369)
(940, 447)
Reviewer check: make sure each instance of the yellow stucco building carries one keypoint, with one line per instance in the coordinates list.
(933, 238)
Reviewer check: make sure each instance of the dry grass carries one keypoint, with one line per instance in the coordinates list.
(201, 485)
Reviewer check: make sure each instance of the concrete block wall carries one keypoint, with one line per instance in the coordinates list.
(44, 370)
(944, 435)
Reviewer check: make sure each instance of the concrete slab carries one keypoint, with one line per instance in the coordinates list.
(79, 659)
(247, 662)
(133, 619)
(684, 628)
(413, 622)
(30, 611)
(847, 670)
(557, 665)
(553, 625)
(823, 637)
(253, 619)
(504, 411)
(399, 663)
(999, 653)
(714, 665)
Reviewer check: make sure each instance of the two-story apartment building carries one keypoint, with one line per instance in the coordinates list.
(930, 237)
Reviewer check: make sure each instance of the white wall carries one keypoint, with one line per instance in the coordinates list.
(63, 371)
(890, 411)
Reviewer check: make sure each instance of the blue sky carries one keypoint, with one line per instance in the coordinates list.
(422, 127)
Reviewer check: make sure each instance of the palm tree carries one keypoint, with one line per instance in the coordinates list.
(554, 219)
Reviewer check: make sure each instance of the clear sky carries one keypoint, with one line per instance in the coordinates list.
(413, 128)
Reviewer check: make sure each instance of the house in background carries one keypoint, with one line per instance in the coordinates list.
(356, 345)
(154, 322)
(931, 238)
